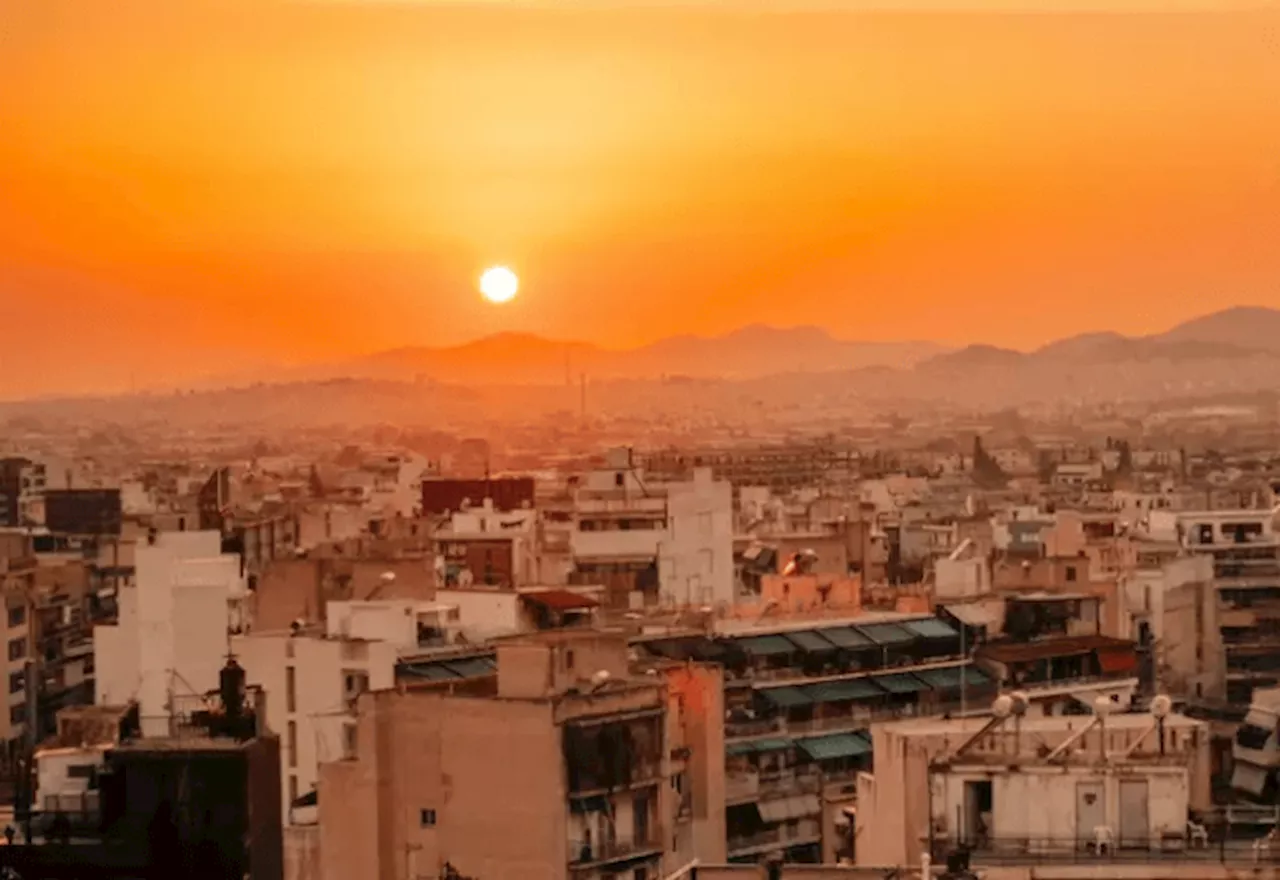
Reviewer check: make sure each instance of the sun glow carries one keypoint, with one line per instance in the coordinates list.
(499, 284)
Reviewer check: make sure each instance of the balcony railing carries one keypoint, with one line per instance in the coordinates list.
(788, 782)
(1174, 846)
(739, 787)
(807, 831)
(584, 854)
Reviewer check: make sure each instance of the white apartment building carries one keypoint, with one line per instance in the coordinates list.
(941, 782)
(1245, 548)
(311, 683)
(695, 556)
(172, 633)
(650, 541)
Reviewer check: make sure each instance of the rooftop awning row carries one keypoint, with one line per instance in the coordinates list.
(817, 748)
(873, 686)
(852, 637)
(859, 637)
(448, 670)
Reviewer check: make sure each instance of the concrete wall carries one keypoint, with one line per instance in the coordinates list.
(292, 589)
(489, 771)
(302, 853)
(1054, 790)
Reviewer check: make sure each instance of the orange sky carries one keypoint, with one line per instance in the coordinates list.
(188, 187)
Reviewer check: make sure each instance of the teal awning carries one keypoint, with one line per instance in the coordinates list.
(774, 744)
(931, 628)
(766, 646)
(839, 745)
(950, 678)
(887, 633)
(810, 641)
(847, 637)
(900, 683)
(748, 747)
(786, 697)
(473, 667)
(850, 689)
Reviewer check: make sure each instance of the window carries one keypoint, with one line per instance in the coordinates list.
(17, 714)
(1071, 573)
(17, 616)
(293, 744)
(354, 683)
(17, 649)
(293, 788)
(618, 479)
(568, 658)
(427, 818)
(349, 740)
(17, 682)
(290, 690)
(81, 771)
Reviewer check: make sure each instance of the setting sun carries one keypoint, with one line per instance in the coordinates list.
(499, 284)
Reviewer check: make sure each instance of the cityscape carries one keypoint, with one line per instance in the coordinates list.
(640, 440)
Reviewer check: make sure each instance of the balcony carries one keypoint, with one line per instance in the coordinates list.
(805, 831)
(584, 855)
(741, 787)
(789, 782)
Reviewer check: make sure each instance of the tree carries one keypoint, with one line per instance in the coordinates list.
(986, 471)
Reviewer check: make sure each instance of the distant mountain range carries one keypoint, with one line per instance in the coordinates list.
(729, 378)
(1243, 332)
(517, 358)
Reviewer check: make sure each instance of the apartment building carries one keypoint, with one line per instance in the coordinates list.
(18, 569)
(563, 765)
(780, 467)
(801, 695)
(312, 682)
(1010, 788)
(649, 542)
(482, 545)
(1245, 549)
(22, 484)
(170, 640)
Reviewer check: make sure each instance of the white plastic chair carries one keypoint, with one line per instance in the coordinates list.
(1102, 837)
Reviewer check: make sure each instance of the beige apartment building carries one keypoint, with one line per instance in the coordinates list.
(17, 584)
(570, 764)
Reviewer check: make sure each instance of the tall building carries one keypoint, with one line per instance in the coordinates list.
(173, 629)
(567, 765)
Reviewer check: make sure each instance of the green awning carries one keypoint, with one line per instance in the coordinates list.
(738, 749)
(931, 628)
(847, 637)
(765, 646)
(786, 697)
(472, 668)
(887, 633)
(900, 683)
(810, 641)
(774, 744)
(950, 678)
(839, 745)
(849, 689)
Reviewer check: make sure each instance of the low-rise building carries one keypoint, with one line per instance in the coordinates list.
(1106, 780)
